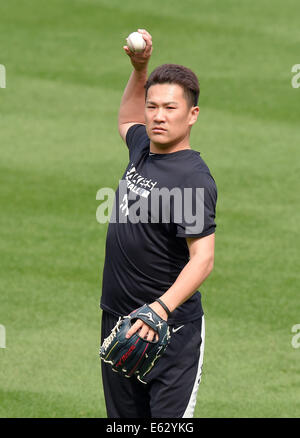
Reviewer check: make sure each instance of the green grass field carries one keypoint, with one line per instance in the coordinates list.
(65, 74)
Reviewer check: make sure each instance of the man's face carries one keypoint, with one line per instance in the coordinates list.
(168, 116)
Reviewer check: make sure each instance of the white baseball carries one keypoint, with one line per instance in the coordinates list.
(136, 42)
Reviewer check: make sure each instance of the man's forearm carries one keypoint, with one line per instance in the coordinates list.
(133, 100)
(192, 275)
(190, 278)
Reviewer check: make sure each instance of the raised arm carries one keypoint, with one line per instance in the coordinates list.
(133, 100)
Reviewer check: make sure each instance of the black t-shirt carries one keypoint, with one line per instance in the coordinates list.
(146, 246)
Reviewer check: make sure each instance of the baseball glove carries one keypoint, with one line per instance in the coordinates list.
(135, 356)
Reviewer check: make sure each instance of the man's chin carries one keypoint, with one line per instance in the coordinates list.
(160, 140)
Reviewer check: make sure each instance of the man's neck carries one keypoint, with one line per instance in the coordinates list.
(167, 149)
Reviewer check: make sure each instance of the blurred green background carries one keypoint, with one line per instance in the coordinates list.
(59, 144)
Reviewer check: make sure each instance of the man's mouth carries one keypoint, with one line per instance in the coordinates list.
(158, 129)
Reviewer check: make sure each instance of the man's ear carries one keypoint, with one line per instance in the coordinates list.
(194, 112)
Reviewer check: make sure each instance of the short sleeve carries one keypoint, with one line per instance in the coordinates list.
(137, 140)
(198, 207)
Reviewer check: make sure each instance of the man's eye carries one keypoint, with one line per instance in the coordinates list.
(171, 107)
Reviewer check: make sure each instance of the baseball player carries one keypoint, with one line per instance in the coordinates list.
(152, 260)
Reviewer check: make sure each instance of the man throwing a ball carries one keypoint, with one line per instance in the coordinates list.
(169, 252)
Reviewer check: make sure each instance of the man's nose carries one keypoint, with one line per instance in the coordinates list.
(159, 115)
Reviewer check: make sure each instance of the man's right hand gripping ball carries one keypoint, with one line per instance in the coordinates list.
(139, 60)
